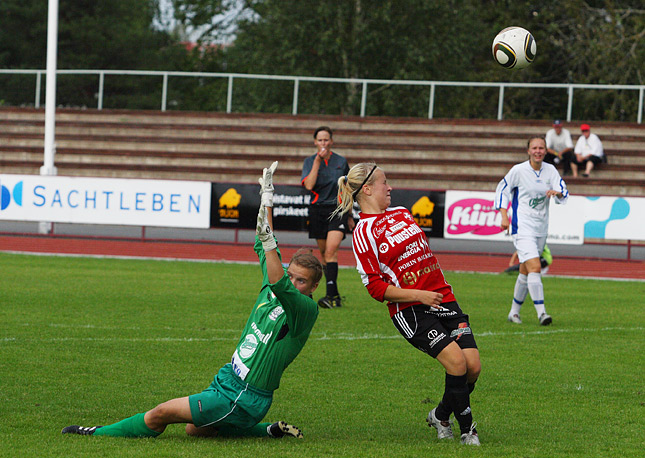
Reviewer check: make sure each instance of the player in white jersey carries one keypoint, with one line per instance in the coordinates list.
(528, 188)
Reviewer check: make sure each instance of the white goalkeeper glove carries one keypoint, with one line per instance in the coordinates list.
(266, 185)
(264, 232)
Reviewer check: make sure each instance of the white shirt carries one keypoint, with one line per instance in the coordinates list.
(591, 145)
(525, 190)
(559, 142)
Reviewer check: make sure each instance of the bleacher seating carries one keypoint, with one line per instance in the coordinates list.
(416, 153)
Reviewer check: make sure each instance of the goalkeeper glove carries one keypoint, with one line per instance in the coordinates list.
(264, 232)
(266, 185)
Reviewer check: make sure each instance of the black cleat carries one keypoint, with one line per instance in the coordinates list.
(82, 430)
(282, 429)
(336, 301)
(325, 302)
(329, 302)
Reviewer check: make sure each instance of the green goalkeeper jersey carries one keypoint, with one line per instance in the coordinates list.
(279, 326)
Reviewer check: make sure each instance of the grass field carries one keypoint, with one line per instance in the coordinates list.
(91, 341)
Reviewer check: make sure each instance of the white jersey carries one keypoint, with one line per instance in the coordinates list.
(591, 145)
(558, 142)
(525, 189)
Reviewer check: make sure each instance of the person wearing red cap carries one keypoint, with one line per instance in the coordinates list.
(559, 147)
(589, 152)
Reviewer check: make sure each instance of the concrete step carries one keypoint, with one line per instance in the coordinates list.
(446, 159)
(617, 165)
(490, 173)
(449, 154)
(480, 152)
(307, 123)
(299, 137)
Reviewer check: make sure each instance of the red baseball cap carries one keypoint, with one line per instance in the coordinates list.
(585, 127)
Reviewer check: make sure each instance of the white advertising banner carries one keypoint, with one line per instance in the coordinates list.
(615, 218)
(472, 215)
(165, 203)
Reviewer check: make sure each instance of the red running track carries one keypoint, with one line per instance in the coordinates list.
(219, 251)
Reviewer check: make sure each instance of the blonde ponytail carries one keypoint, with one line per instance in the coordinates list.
(350, 186)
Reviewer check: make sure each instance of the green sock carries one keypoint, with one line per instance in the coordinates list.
(134, 426)
(259, 430)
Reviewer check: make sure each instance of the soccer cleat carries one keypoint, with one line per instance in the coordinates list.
(545, 319)
(325, 302)
(443, 431)
(515, 318)
(336, 301)
(471, 437)
(282, 429)
(328, 302)
(82, 430)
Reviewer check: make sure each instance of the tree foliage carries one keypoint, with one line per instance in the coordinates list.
(579, 41)
(106, 34)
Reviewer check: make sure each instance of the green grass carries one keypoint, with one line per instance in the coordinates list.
(91, 341)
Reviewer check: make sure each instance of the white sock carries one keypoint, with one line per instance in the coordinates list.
(536, 290)
(519, 294)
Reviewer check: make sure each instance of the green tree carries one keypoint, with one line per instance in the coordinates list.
(108, 34)
(376, 39)
(584, 42)
(579, 41)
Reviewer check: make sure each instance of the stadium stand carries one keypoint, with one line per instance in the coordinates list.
(434, 154)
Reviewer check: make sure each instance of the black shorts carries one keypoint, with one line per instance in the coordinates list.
(319, 223)
(595, 159)
(431, 330)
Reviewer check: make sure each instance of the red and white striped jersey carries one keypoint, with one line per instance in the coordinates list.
(391, 249)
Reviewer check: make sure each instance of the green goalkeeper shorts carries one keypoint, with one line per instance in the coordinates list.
(229, 401)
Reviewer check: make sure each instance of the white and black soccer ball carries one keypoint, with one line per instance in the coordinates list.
(514, 47)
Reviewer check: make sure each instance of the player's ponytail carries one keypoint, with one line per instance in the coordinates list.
(350, 185)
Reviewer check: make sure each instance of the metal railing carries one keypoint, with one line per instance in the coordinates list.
(231, 77)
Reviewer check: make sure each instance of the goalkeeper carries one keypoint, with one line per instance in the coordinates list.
(242, 391)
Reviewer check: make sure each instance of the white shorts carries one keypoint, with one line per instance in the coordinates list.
(528, 246)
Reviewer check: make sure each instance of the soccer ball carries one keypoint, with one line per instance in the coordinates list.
(514, 47)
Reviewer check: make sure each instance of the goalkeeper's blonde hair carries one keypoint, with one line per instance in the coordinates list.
(304, 257)
(350, 186)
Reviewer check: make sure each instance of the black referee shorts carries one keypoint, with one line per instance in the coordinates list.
(319, 223)
(431, 330)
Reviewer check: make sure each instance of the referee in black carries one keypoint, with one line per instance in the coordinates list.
(320, 174)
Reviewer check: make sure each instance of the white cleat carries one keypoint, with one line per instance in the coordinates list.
(471, 437)
(545, 319)
(443, 431)
(515, 318)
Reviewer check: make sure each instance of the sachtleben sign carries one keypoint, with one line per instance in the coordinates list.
(164, 203)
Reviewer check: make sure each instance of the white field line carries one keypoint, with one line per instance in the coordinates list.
(318, 337)
(228, 261)
(131, 328)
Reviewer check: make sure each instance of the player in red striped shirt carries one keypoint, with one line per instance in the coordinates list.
(397, 265)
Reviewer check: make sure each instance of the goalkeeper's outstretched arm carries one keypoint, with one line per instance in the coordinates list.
(264, 228)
